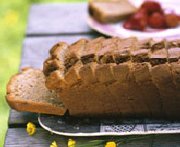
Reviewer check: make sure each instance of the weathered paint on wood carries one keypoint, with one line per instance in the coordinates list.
(18, 137)
(58, 19)
(20, 119)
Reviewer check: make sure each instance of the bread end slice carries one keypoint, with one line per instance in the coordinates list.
(26, 91)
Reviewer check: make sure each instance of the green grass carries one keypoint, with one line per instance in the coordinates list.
(13, 14)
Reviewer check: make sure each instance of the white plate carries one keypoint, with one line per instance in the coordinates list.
(116, 29)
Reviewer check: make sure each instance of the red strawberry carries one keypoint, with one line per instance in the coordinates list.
(152, 6)
(172, 20)
(141, 15)
(135, 23)
(138, 21)
(157, 20)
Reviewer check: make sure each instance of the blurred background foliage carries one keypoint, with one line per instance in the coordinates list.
(13, 21)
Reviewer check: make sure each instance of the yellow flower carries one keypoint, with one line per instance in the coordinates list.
(71, 143)
(110, 144)
(54, 144)
(31, 128)
(11, 17)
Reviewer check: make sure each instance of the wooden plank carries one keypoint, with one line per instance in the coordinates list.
(35, 49)
(18, 137)
(43, 138)
(19, 119)
(58, 19)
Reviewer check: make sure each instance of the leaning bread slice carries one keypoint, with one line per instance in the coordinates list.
(26, 91)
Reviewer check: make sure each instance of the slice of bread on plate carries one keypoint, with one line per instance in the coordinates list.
(110, 11)
(26, 91)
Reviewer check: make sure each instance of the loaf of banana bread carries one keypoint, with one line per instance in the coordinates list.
(116, 77)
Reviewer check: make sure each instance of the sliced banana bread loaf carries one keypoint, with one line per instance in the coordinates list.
(114, 76)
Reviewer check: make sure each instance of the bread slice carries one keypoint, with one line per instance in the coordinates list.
(26, 91)
(109, 11)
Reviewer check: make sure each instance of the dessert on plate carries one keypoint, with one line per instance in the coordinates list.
(109, 11)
